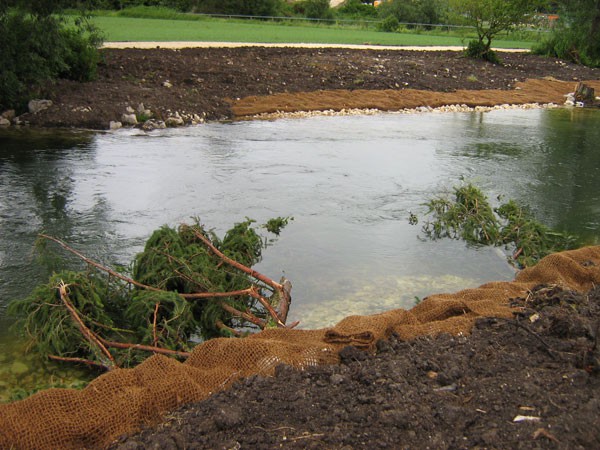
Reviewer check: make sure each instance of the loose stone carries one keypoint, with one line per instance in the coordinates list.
(35, 106)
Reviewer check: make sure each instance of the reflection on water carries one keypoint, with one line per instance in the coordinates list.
(349, 182)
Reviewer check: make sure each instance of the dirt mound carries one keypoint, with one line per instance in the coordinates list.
(124, 400)
(207, 81)
(531, 381)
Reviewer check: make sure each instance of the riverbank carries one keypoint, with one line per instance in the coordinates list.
(527, 383)
(192, 85)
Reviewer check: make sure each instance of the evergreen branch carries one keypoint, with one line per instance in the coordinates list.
(244, 315)
(79, 360)
(221, 326)
(247, 270)
(282, 289)
(200, 295)
(263, 301)
(154, 335)
(89, 335)
(146, 348)
(98, 265)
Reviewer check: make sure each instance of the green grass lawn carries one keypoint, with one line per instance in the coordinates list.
(220, 30)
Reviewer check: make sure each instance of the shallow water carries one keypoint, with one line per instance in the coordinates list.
(349, 182)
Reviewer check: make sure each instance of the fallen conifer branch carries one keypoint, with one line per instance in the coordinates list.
(89, 335)
(283, 290)
(106, 319)
(97, 265)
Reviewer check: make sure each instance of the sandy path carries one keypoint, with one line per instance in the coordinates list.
(199, 44)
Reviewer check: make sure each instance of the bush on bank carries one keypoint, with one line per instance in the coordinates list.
(576, 35)
(38, 45)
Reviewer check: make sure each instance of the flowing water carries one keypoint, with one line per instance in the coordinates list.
(349, 182)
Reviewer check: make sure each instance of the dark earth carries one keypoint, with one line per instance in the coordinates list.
(204, 81)
(528, 382)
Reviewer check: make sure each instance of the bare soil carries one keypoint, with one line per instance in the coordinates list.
(530, 382)
(212, 82)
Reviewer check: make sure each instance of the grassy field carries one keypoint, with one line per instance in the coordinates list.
(222, 30)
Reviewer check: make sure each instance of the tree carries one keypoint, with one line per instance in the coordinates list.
(239, 7)
(38, 45)
(491, 17)
(413, 11)
(576, 36)
(314, 9)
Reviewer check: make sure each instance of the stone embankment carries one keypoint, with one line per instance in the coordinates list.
(420, 109)
(144, 118)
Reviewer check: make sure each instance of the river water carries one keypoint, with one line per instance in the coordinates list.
(349, 182)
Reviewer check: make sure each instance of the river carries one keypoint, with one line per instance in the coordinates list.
(350, 182)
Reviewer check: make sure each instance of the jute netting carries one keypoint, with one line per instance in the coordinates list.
(123, 400)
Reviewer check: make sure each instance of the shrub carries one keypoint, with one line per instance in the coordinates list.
(238, 7)
(313, 9)
(37, 45)
(576, 36)
(356, 9)
(412, 11)
(389, 24)
(478, 50)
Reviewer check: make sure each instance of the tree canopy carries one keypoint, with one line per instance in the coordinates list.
(491, 17)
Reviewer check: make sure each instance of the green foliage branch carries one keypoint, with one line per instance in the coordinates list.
(186, 284)
(468, 215)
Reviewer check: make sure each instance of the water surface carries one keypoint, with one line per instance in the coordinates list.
(349, 182)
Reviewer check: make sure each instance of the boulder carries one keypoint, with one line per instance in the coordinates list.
(4, 122)
(174, 121)
(153, 124)
(129, 119)
(9, 114)
(35, 106)
(114, 125)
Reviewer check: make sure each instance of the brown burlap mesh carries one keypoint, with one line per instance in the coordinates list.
(121, 401)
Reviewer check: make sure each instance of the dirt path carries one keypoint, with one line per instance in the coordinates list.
(208, 44)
